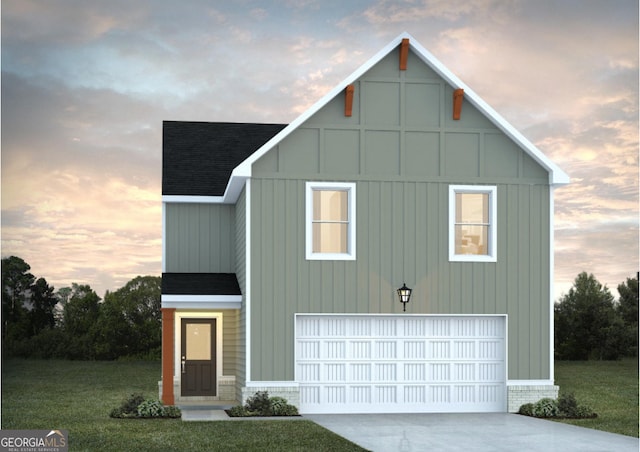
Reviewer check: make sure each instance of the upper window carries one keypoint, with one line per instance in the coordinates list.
(330, 220)
(472, 223)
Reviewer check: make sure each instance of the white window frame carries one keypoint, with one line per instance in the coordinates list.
(492, 235)
(350, 188)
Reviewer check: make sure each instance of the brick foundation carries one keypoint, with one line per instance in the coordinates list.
(518, 395)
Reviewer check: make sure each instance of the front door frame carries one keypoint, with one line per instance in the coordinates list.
(201, 370)
(178, 346)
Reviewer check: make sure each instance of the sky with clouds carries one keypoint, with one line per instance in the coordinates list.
(86, 85)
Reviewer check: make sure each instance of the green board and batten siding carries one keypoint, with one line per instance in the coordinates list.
(403, 150)
(200, 238)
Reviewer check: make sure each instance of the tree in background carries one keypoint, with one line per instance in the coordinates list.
(80, 318)
(73, 323)
(28, 306)
(43, 306)
(628, 310)
(586, 322)
(16, 285)
(130, 320)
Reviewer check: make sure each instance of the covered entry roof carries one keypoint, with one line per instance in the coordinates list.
(201, 291)
(200, 284)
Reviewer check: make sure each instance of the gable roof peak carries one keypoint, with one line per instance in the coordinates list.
(556, 175)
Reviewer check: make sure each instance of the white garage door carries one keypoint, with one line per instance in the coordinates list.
(400, 363)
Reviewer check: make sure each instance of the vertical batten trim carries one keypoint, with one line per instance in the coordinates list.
(551, 282)
(247, 275)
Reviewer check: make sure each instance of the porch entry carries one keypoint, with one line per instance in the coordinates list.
(198, 357)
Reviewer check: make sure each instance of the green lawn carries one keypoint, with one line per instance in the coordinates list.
(78, 396)
(610, 388)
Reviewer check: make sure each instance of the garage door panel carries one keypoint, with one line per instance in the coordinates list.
(352, 364)
(439, 349)
(360, 350)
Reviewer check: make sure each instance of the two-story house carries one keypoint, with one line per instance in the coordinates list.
(284, 247)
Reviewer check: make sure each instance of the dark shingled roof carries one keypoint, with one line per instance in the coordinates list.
(198, 157)
(200, 284)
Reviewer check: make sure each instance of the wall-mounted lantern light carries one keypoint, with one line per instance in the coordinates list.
(405, 295)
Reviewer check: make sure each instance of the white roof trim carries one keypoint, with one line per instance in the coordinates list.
(185, 199)
(201, 301)
(243, 171)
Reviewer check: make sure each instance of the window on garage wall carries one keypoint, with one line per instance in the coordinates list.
(472, 223)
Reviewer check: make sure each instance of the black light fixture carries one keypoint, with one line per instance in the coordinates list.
(405, 295)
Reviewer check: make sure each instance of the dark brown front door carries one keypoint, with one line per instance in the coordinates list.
(198, 357)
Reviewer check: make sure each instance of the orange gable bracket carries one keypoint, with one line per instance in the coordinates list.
(348, 100)
(404, 53)
(458, 96)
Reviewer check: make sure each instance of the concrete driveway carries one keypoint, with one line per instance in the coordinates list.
(468, 433)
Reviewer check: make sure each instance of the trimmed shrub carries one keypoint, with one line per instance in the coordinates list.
(545, 408)
(136, 407)
(129, 407)
(151, 408)
(260, 404)
(280, 407)
(237, 411)
(277, 405)
(526, 409)
(565, 407)
(287, 410)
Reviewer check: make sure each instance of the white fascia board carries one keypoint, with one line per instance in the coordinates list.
(556, 175)
(201, 301)
(234, 188)
(203, 298)
(231, 193)
(184, 199)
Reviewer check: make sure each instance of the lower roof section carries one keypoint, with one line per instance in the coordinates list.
(200, 284)
(201, 291)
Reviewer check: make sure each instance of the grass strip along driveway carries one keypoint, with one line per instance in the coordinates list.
(610, 388)
(78, 396)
